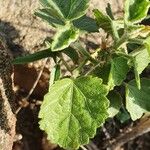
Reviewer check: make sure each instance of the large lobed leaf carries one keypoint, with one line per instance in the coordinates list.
(136, 10)
(73, 109)
(138, 101)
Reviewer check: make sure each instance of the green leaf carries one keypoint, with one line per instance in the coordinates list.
(147, 44)
(138, 101)
(83, 51)
(113, 73)
(123, 115)
(64, 37)
(102, 72)
(115, 103)
(141, 60)
(72, 53)
(72, 110)
(109, 11)
(106, 23)
(103, 21)
(118, 72)
(136, 10)
(67, 9)
(86, 23)
(34, 57)
(50, 15)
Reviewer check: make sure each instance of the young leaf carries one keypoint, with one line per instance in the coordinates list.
(106, 23)
(141, 60)
(64, 37)
(136, 10)
(118, 72)
(109, 11)
(115, 103)
(86, 23)
(34, 57)
(72, 110)
(51, 16)
(68, 9)
(103, 21)
(138, 101)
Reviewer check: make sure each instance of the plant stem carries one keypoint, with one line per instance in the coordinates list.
(84, 52)
(93, 68)
(77, 71)
(122, 40)
(124, 55)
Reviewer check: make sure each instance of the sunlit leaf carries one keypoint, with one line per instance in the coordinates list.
(67, 9)
(141, 60)
(136, 10)
(64, 37)
(51, 16)
(73, 109)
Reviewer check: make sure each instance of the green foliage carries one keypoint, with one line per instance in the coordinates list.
(64, 37)
(65, 15)
(70, 52)
(86, 24)
(115, 103)
(141, 60)
(51, 16)
(147, 44)
(67, 9)
(103, 21)
(73, 109)
(118, 71)
(76, 105)
(136, 10)
(123, 116)
(138, 101)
